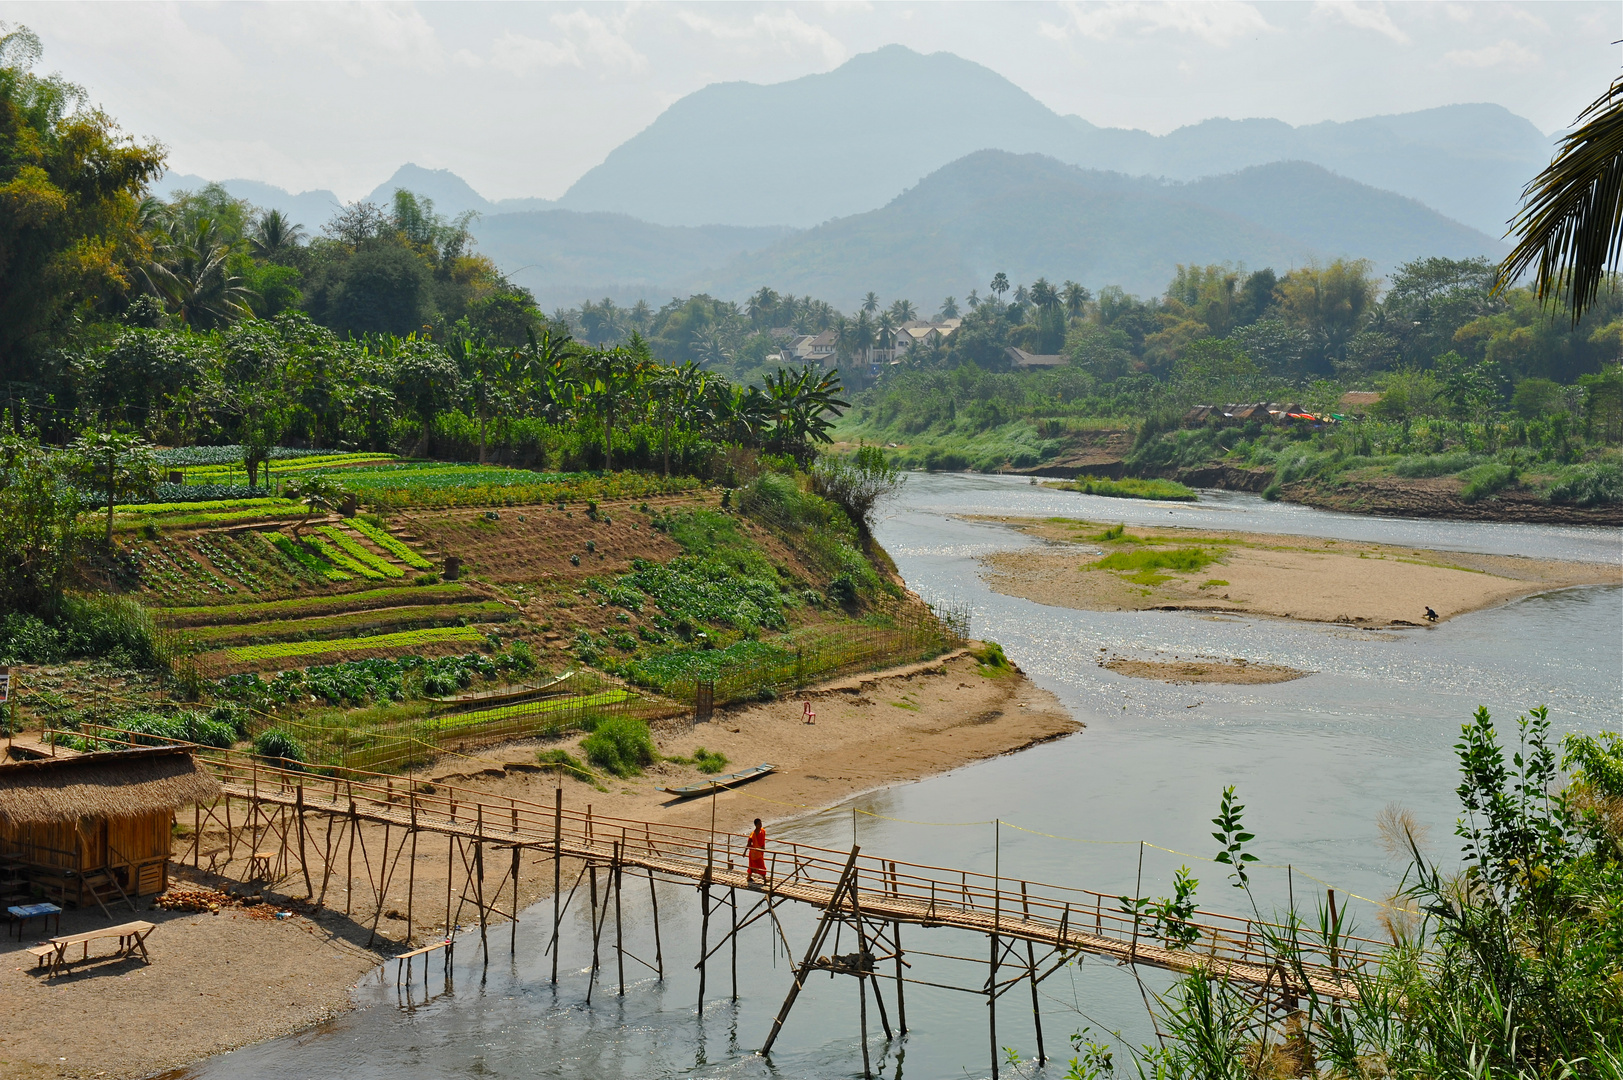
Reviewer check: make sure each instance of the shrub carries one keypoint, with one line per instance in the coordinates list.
(842, 590)
(1129, 488)
(709, 762)
(279, 748)
(565, 762)
(990, 655)
(1486, 479)
(1426, 465)
(620, 745)
(111, 628)
(1594, 484)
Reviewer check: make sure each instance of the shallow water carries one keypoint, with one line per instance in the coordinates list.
(1314, 759)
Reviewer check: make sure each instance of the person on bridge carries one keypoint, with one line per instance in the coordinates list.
(757, 853)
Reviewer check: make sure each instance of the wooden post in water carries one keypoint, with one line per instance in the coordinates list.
(619, 941)
(659, 955)
(732, 901)
(997, 918)
(818, 937)
(704, 920)
(1031, 974)
(512, 947)
(557, 872)
(591, 872)
(896, 936)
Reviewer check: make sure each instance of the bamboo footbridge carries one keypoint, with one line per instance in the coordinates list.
(867, 896)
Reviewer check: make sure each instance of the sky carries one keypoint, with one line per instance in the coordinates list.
(521, 98)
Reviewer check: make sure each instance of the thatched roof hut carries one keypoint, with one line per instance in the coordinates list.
(73, 821)
(123, 783)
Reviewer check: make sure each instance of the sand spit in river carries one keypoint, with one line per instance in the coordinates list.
(1291, 577)
(1203, 670)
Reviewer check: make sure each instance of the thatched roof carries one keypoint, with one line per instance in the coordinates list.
(125, 783)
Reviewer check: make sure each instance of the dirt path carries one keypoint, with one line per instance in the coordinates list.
(219, 981)
(1291, 577)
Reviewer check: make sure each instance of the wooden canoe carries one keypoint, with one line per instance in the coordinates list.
(715, 782)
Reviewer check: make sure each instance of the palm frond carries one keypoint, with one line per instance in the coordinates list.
(1571, 222)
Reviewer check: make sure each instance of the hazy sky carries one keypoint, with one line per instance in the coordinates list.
(520, 99)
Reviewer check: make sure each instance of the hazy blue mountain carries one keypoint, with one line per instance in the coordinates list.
(830, 145)
(564, 257)
(1032, 216)
(312, 209)
(819, 147)
(451, 194)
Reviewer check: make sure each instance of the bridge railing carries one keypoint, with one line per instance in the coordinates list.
(890, 889)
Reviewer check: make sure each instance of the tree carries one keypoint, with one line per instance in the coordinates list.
(274, 237)
(39, 505)
(1000, 285)
(1075, 298)
(191, 272)
(70, 193)
(870, 303)
(610, 378)
(902, 311)
(119, 463)
(857, 484)
(1330, 303)
(425, 379)
(803, 403)
(318, 493)
(1571, 221)
(949, 309)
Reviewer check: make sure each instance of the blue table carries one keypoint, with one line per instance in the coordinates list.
(23, 912)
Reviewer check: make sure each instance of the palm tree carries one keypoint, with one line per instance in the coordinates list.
(887, 328)
(274, 236)
(870, 303)
(188, 272)
(1042, 294)
(1571, 222)
(1076, 298)
(1021, 295)
(902, 311)
(1000, 285)
(610, 378)
(949, 309)
(973, 299)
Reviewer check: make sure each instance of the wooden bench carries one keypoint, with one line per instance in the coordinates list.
(40, 953)
(131, 937)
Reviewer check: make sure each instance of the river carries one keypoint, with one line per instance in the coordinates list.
(1314, 761)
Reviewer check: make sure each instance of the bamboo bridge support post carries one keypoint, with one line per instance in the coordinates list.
(349, 866)
(411, 879)
(512, 946)
(557, 873)
(309, 889)
(591, 872)
(864, 974)
(450, 875)
(896, 939)
(704, 920)
(732, 902)
(479, 895)
(619, 939)
(862, 997)
(818, 937)
(997, 919)
(197, 836)
(1031, 974)
(659, 954)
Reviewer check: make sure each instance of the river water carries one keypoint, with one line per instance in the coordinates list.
(1314, 761)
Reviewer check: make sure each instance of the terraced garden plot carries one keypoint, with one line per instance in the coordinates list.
(292, 650)
(538, 542)
(311, 606)
(347, 624)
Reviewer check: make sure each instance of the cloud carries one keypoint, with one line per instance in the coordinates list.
(359, 37)
(1362, 17)
(1507, 54)
(519, 54)
(602, 40)
(1217, 23)
(783, 31)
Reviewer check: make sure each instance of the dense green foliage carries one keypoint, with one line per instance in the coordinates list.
(620, 745)
(1129, 488)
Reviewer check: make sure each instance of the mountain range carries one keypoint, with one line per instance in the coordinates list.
(813, 185)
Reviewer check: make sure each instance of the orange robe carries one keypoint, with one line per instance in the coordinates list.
(757, 852)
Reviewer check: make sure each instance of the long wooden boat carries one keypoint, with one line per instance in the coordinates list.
(715, 782)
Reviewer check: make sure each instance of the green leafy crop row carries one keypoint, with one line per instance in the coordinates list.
(295, 551)
(360, 553)
(388, 543)
(406, 639)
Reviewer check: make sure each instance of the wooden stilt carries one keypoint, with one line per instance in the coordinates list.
(818, 937)
(619, 941)
(591, 873)
(896, 939)
(862, 994)
(659, 954)
(512, 947)
(197, 835)
(732, 897)
(991, 1005)
(349, 868)
(479, 894)
(309, 889)
(1031, 974)
(863, 952)
(411, 886)
(704, 921)
(557, 873)
(450, 875)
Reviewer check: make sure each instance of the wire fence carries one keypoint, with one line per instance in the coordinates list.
(822, 653)
(390, 743)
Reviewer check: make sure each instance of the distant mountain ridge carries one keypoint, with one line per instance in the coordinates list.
(829, 145)
(1031, 216)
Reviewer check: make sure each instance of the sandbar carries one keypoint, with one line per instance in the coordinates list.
(1289, 577)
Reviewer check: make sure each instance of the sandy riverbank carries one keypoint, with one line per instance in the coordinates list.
(221, 981)
(1290, 577)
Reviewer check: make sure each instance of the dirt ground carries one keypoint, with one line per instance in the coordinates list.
(219, 981)
(1291, 577)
